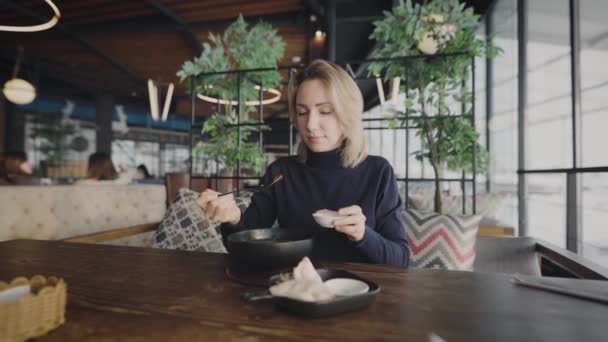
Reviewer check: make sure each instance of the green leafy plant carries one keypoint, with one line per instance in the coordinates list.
(54, 134)
(221, 145)
(237, 48)
(438, 96)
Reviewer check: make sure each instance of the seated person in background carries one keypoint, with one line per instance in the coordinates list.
(101, 170)
(331, 171)
(16, 169)
(142, 173)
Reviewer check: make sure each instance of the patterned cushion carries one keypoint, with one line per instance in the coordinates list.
(488, 205)
(185, 227)
(441, 241)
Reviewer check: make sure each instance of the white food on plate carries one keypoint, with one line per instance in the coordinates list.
(306, 285)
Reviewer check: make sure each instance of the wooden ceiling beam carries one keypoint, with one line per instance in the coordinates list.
(248, 10)
(74, 5)
(222, 4)
(186, 31)
(82, 79)
(93, 11)
(78, 38)
(108, 18)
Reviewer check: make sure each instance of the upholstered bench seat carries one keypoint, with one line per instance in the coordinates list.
(62, 211)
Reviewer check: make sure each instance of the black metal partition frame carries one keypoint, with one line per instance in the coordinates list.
(241, 74)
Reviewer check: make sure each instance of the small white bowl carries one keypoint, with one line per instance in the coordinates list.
(325, 218)
(347, 286)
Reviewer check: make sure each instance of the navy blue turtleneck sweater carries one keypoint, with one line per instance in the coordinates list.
(322, 183)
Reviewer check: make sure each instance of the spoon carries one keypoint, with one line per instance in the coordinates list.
(259, 188)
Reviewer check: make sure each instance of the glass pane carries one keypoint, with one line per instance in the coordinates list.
(174, 158)
(133, 153)
(547, 208)
(503, 119)
(594, 81)
(594, 215)
(123, 152)
(548, 114)
(480, 105)
(53, 149)
(147, 153)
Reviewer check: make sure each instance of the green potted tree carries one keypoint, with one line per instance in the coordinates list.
(438, 95)
(238, 48)
(55, 135)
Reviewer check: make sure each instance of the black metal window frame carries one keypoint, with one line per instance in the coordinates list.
(241, 74)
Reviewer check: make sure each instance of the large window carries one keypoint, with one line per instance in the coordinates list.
(131, 153)
(480, 105)
(594, 122)
(503, 116)
(557, 140)
(594, 81)
(57, 146)
(548, 117)
(548, 113)
(174, 158)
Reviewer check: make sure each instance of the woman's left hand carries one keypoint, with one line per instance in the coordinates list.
(351, 222)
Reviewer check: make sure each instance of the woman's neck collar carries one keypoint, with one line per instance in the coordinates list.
(324, 160)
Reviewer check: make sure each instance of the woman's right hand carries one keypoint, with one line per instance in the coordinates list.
(223, 209)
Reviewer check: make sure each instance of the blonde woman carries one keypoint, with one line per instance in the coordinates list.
(331, 171)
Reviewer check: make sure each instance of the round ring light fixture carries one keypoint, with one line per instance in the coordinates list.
(34, 28)
(275, 98)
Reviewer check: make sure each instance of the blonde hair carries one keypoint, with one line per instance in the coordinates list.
(348, 104)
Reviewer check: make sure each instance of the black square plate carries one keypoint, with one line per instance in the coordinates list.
(330, 307)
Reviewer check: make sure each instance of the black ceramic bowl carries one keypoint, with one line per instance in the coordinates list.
(270, 248)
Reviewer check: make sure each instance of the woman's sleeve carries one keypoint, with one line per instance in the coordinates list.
(386, 243)
(262, 212)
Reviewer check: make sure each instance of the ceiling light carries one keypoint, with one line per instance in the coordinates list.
(380, 90)
(318, 33)
(276, 93)
(154, 105)
(395, 91)
(153, 96)
(34, 28)
(19, 91)
(167, 102)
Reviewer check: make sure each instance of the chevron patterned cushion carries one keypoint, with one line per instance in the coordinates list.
(441, 241)
(491, 206)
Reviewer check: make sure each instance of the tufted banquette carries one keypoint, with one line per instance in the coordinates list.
(62, 211)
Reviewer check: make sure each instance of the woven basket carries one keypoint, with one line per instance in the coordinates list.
(42, 310)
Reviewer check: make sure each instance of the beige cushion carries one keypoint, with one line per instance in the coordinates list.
(57, 212)
(490, 206)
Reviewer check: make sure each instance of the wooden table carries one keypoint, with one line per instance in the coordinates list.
(142, 294)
